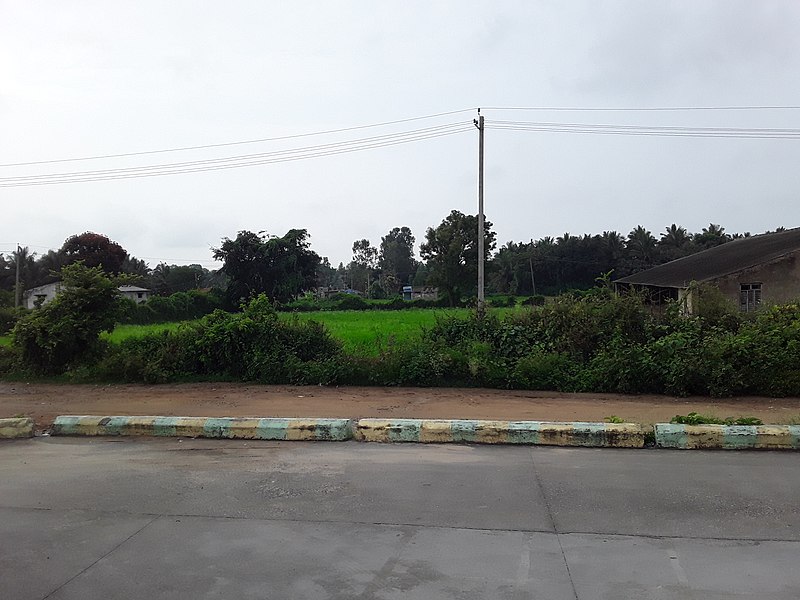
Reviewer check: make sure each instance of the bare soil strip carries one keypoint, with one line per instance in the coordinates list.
(43, 402)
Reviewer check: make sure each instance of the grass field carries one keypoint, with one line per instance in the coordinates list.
(368, 331)
(360, 331)
(123, 332)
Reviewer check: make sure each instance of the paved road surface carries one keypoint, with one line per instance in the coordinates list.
(111, 518)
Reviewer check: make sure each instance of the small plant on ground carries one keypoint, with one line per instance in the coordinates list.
(694, 418)
(614, 419)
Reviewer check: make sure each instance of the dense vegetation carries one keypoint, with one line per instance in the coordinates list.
(585, 340)
(593, 341)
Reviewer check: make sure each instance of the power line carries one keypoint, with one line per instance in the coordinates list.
(304, 149)
(399, 121)
(610, 129)
(638, 109)
(240, 161)
(242, 142)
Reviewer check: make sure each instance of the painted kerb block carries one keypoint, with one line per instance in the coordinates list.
(206, 427)
(613, 435)
(728, 437)
(16, 428)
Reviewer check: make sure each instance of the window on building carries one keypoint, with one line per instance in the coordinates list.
(139, 294)
(749, 296)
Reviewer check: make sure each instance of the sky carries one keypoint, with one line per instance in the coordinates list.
(84, 79)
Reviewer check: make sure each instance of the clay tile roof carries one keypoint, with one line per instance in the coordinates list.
(728, 258)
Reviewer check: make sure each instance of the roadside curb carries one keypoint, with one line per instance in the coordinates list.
(15, 428)
(438, 431)
(728, 437)
(597, 435)
(207, 427)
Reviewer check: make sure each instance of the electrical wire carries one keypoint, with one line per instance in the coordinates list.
(236, 158)
(609, 129)
(638, 109)
(242, 142)
(240, 161)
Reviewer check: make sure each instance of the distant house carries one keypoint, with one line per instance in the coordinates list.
(137, 294)
(420, 293)
(748, 271)
(38, 296)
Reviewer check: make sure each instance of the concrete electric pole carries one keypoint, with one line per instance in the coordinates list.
(481, 233)
(16, 284)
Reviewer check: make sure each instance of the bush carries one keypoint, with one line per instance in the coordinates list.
(180, 306)
(9, 317)
(545, 371)
(67, 329)
(694, 418)
(537, 300)
(253, 345)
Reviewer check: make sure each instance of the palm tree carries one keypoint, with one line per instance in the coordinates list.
(713, 235)
(675, 236)
(23, 261)
(642, 245)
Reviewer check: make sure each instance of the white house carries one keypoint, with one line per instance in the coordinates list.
(36, 297)
(137, 294)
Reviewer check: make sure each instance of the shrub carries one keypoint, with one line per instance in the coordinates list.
(67, 329)
(620, 367)
(253, 345)
(180, 306)
(545, 371)
(694, 418)
(536, 300)
(9, 317)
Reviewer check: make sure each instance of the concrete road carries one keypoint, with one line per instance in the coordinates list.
(112, 518)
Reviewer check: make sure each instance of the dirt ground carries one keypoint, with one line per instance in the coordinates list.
(43, 402)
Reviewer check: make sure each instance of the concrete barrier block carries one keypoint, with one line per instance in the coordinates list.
(15, 428)
(728, 437)
(615, 435)
(206, 427)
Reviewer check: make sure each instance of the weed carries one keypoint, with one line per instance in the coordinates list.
(613, 419)
(694, 418)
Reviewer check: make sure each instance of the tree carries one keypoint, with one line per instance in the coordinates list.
(396, 258)
(363, 268)
(641, 248)
(674, 243)
(713, 235)
(27, 270)
(168, 279)
(327, 276)
(137, 267)
(68, 328)
(281, 267)
(451, 250)
(95, 250)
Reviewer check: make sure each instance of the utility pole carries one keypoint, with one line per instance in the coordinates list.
(530, 263)
(16, 285)
(481, 233)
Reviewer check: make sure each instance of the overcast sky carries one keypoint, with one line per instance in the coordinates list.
(84, 79)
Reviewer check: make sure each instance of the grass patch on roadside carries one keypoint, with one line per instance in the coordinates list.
(368, 331)
(124, 332)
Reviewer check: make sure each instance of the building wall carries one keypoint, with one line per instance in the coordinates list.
(140, 297)
(780, 280)
(42, 294)
(45, 293)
